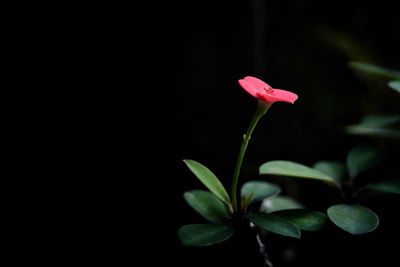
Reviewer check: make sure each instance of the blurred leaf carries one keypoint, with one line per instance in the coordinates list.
(296, 170)
(333, 169)
(260, 190)
(247, 200)
(395, 85)
(374, 69)
(304, 219)
(274, 224)
(362, 158)
(207, 205)
(372, 131)
(203, 234)
(379, 120)
(385, 187)
(376, 126)
(208, 179)
(355, 219)
(346, 43)
(280, 203)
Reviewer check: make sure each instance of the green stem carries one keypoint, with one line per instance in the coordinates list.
(262, 108)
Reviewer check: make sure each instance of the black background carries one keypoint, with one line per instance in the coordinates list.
(167, 75)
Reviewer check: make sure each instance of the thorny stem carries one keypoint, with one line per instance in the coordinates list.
(263, 251)
(262, 247)
(262, 108)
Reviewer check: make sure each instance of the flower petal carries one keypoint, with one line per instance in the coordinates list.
(266, 93)
(279, 95)
(249, 87)
(259, 84)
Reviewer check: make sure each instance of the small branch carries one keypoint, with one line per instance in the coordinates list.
(262, 248)
(263, 251)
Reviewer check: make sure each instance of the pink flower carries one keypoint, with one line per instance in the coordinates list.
(266, 93)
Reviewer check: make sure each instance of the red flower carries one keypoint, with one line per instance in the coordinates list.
(266, 93)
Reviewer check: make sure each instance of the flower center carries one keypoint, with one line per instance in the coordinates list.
(268, 90)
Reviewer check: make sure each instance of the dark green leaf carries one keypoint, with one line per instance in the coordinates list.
(395, 85)
(296, 170)
(304, 219)
(374, 131)
(208, 179)
(203, 234)
(375, 70)
(333, 169)
(355, 219)
(385, 187)
(207, 205)
(274, 224)
(379, 120)
(247, 200)
(362, 158)
(260, 190)
(345, 43)
(280, 203)
(377, 125)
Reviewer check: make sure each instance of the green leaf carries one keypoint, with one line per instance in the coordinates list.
(377, 125)
(204, 234)
(355, 219)
(247, 200)
(333, 169)
(274, 224)
(362, 158)
(395, 85)
(375, 70)
(379, 120)
(260, 190)
(280, 203)
(385, 187)
(372, 131)
(207, 205)
(208, 179)
(308, 220)
(296, 170)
